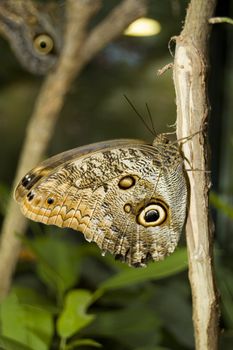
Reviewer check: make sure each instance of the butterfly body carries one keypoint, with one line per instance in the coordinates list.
(127, 196)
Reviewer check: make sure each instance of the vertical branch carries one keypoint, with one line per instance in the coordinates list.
(190, 68)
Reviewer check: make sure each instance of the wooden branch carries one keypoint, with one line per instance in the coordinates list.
(78, 49)
(190, 66)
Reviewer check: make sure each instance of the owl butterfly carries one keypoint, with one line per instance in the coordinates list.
(128, 196)
(31, 34)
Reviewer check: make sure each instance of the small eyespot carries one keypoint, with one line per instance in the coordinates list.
(127, 208)
(126, 182)
(153, 214)
(50, 200)
(43, 44)
(26, 180)
(30, 196)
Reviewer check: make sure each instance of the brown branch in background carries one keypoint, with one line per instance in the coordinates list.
(78, 49)
(190, 68)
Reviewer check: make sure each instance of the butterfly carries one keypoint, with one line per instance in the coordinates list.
(128, 196)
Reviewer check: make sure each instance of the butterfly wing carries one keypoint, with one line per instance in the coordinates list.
(119, 194)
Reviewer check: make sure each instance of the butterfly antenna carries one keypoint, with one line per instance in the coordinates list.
(139, 115)
(151, 119)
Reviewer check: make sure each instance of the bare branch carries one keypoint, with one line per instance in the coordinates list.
(164, 69)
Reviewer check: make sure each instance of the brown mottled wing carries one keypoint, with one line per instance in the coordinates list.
(81, 189)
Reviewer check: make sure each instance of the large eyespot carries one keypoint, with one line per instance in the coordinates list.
(43, 44)
(126, 182)
(154, 214)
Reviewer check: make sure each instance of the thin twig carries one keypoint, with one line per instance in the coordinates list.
(164, 69)
(215, 20)
(78, 49)
(192, 114)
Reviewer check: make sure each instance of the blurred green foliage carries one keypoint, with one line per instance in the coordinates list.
(124, 307)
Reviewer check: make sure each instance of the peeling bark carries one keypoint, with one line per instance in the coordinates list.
(190, 74)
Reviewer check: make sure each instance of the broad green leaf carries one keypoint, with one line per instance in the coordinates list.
(28, 324)
(58, 262)
(173, 264)
(83, 342)
(10, 344)
(74, 316)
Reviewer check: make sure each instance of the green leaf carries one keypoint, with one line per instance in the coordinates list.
(7, 343)
(83, 342)
(58, 262)
(173, 264)
(30, 325)
(74, 316)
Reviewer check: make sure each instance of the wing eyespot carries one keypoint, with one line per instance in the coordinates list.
(127, 182)
(30, 196)
(127, 208)
(154, 214)
(43, 44)
(50, 200)
(29, 180)
(26, 180)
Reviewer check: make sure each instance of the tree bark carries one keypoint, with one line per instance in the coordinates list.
(190, 73)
